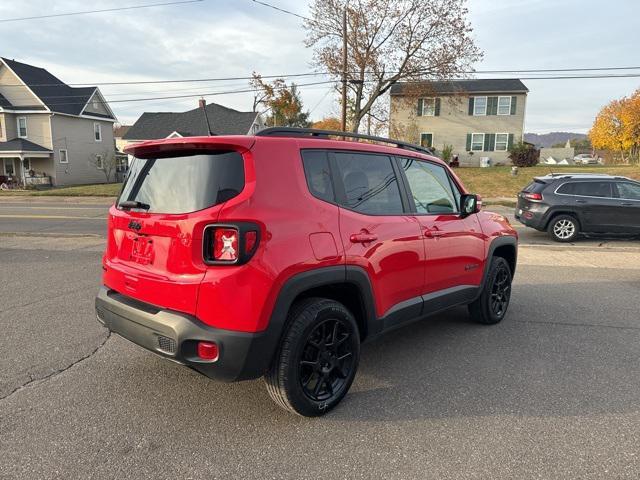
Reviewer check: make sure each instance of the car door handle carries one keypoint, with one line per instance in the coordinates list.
(627, 204)
(433, 233)
(581, 201)
(363, 237)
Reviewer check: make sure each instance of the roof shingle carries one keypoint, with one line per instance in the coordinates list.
(476, 85)
(21, 145)
(223, 120)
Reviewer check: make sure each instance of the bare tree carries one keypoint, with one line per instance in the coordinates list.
(106, 162)
(390, 41)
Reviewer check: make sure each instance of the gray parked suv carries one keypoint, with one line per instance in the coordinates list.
(568, 204)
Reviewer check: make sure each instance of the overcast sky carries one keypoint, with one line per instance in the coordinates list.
(226, 38)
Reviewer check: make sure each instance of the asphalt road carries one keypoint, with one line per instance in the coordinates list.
(87, 216)
(551, 392)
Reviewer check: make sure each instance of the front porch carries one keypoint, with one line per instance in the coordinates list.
(24, 164)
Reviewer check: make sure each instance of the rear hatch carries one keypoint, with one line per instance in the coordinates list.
(529, 194)
(155, 231)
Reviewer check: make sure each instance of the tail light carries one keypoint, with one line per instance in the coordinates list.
(532, 196)
(230, 244)
(208, 351)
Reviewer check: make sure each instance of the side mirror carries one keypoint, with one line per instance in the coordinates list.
(470, 204)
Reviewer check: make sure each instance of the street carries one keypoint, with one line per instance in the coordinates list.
(551, 392)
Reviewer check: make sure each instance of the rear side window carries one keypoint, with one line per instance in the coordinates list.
(629, 191)
(316, 170)
(370, 183)
(535, 187)
(184, 184)
(587, 189)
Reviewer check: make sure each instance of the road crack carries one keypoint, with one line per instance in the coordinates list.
(55, 373)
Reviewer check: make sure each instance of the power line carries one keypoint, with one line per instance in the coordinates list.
(316, 74)
(18, 19)
(265, 4)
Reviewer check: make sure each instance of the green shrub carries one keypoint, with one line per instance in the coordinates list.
(524, 155)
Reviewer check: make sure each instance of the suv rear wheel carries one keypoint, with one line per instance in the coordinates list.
(317, 360)
(563, 228)
(491, 306)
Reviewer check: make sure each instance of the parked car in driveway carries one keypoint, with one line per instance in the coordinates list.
(277, 254)
(566, 205)
(586, 159)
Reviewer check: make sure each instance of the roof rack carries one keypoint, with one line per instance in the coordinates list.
(586, 174)
(312, 132)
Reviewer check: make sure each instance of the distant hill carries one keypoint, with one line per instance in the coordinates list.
(548, 139)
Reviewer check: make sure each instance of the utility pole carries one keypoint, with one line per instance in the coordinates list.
(344, 69)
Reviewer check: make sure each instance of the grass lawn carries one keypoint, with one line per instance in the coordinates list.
(99, 190)
(498, 182)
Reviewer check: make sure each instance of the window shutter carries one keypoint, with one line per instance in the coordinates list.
(514, 101)
(437, 114)
(468, 142)
(510, 141)
(420, 102)
(492, 106)
(490, 141)
(471, 99)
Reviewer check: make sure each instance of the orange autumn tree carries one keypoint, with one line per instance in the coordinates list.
(328, 123)
(617, 127)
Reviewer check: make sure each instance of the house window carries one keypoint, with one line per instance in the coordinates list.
(64, 156)
(426, 140)
(477, 142)
(480, 106)
(8, 167)
(22, 127)
(428, 107)
(99, 162)
(97, 132)
(502, 142)
(504, 105)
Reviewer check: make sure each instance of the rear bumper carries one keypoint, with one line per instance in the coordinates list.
(531, 214)
(175, 335)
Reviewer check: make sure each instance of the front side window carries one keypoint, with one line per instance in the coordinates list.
(428, 107)
(477, 142)
(430, 186)
(504, 105)
(480, 106)
(318, 174)
(586, 189)
(22, 127)
(184, 183)
(628, 191)
(502, 141)
(370, 183)
(97, 132)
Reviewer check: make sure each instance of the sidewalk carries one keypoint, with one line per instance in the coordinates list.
(57, 199)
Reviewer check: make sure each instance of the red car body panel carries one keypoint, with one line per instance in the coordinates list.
(298, 233)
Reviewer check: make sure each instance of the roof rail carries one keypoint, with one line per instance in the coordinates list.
(587, 174)
(312, 132)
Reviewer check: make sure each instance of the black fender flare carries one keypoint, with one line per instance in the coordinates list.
(495, 243)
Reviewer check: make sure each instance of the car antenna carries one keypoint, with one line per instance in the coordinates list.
(203, 106)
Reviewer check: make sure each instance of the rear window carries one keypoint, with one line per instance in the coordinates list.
(536, 186)
(184, 184)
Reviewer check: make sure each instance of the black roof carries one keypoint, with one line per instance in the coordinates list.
(53, 92)
(21, 145)
(497, 85)
(223, 120)
(4, 102)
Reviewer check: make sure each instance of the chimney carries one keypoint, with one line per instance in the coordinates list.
(202, 103)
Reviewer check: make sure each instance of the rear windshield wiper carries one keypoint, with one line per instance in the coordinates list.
(129, 204)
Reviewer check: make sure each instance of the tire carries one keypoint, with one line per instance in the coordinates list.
(492, 304)
(563, 228)
(317, 358)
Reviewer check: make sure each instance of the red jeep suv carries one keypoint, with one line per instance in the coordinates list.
(278, 254)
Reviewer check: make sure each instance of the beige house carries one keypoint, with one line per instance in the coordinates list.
(51, 133)
(479, 118)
